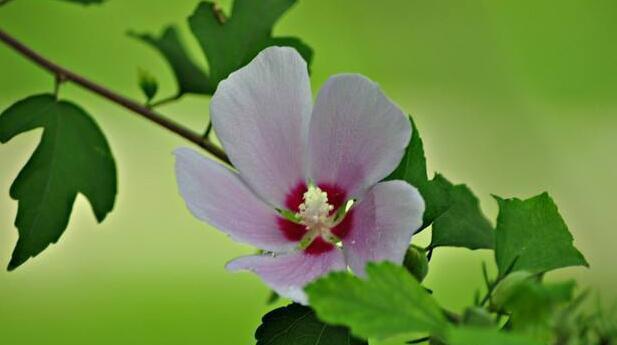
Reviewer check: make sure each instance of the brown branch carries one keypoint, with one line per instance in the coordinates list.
(66, 75)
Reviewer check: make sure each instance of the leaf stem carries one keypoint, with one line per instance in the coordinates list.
(114, 97)
(208, 130)
(166, 100)
(58, 80)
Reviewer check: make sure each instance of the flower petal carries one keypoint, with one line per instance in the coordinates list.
(217, 196)
(357, 136)
(384, 222)
(260, 113)
(287, 274)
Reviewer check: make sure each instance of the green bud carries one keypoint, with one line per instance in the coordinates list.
(506, 288)
(148, 84)
(476, 316)
(416, 262)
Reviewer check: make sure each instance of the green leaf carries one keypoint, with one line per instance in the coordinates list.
(532, 306)
(412, 169)
(148, 84)
(72, 157)
(190, 77)
(298, 325)
(453, 210)
(232, 43)
(463, 225)
(486, 336)
(532, 236)
(86, 2)
(389, 302)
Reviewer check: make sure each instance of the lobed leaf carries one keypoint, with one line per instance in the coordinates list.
(189, 77)
(463, 225)
(412, 169)
(298, 325)
(72, 157)
(453, 210)
(230, 43)
(531, 236)
(387, 303)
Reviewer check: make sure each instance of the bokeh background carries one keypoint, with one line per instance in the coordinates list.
(511, 97)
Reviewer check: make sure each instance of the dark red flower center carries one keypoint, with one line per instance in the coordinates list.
(293, 231)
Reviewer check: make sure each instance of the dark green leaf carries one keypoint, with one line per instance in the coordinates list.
(232, 43)
(389, 302)
(436, 192)
(148, 85)
(190, 77)
(463, 225)
(297, 325)
(72, 157)
(484, 336)
(532, 236)
(294, 42)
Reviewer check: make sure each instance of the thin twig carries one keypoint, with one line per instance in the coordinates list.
(114, 97)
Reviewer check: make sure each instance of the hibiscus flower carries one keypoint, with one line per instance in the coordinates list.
(307, 188)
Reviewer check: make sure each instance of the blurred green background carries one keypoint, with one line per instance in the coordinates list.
(511, 97)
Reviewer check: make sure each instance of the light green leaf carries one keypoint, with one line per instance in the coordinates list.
(190, 77)
(86, 2)
(72, 157)
(297, 325)
(387, 303)
(532, 306)
(463, 225)
(532, 236)
(412, 169)
(232, 43)
(486, 336)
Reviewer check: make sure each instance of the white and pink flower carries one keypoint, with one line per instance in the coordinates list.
(306, 190)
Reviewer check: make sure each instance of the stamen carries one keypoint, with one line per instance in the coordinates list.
(315, 209)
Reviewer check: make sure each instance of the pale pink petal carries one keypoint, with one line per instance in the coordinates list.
(357, 136)
(217, 196)
(384, 221)
(260, 114)
(287, 274)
